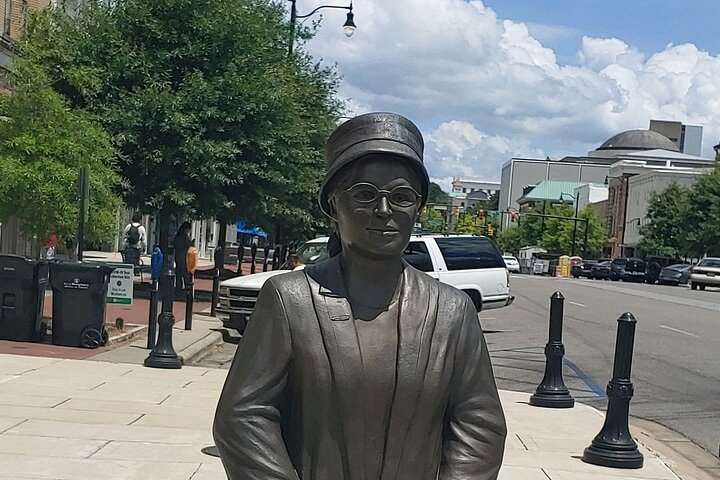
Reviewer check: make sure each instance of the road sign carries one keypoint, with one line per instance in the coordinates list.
(120, 289)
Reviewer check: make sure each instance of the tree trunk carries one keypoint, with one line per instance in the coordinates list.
(222, 234)
(164, 223)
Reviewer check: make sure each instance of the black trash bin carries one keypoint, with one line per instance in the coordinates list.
(22, 295)
(79, 298)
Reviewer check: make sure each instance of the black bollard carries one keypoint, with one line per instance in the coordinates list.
(152, 316)
(276, 257)
(266, 249)
(552, 391)
(163, 355)
(614, 446)
(253, 255)
(189, 300)
(240, 255)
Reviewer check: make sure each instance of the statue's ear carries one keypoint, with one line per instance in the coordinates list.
(333, 209)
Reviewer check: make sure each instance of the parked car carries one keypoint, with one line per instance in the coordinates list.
(583, 269)
(617, 267)
(706, 272)
(470, 263)
(601, 270)
(634, 270)
(237, 296)
(512, 264)
(678, 274)
(655, 264)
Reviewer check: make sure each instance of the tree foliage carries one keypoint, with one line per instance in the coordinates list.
(665, 232)
(682, 222)
(703, 216)
(554, 234)
(209, 114)
(436, 195)
(432, 221)
(43, 144)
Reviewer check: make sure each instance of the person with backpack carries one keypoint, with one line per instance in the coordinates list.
(134, 234)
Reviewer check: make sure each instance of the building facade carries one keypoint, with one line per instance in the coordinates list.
(614, 163)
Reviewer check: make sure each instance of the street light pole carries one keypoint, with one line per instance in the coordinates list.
(577, 205)
(576, 200)
(348, 26)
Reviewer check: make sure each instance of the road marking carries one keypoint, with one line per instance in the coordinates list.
(678, 331)
(575, 303)
(597, 389)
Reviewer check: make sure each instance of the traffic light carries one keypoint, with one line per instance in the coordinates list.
(490, 230)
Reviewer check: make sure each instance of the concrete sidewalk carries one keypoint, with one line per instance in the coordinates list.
(85, 419)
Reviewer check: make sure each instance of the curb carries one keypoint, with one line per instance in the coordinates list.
(127, 336)
(199, 348)
(686, 459)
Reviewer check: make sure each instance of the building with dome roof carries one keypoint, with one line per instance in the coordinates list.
(633, 164)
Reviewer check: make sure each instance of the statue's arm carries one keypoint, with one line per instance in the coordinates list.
(474, 431)
(247, 420)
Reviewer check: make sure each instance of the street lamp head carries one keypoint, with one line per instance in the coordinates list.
(349, 26)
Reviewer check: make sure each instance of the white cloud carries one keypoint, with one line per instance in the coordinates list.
(458, 149)
(483, 89)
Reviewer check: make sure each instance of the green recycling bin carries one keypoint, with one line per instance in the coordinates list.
(79, 298)
(22, 295)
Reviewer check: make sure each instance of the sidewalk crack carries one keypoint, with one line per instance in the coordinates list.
(60, 403)
(196, 471)
(13, 426)
(100, 448)
(521, 441)
(137, 419)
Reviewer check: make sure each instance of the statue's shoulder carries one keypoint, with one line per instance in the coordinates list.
(288, 282)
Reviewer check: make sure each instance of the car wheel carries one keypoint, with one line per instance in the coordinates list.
(702, 286)
(476, 299)
(693, 286)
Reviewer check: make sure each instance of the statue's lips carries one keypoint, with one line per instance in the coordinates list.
(383, 231)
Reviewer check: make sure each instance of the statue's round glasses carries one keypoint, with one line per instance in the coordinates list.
(368, 194)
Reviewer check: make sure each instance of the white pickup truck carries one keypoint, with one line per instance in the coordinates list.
(470, 263)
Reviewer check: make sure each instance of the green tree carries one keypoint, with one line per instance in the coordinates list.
(666, 232)
(558, 234)
(554, 234)
(43, 144)
(437, 195)
(209, 114)
(432, 220)
(702, 235)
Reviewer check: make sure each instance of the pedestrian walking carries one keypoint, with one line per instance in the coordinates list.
(134, 235)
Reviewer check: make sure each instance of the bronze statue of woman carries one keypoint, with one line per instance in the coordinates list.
(362, 367)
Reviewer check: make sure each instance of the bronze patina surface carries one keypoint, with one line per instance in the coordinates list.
(361, 367)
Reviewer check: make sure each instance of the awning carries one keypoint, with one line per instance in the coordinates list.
(247, 229)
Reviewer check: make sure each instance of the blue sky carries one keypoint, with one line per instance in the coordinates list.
(648, 25)
(489, 80)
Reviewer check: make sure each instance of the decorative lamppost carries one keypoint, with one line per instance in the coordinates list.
(348, 27)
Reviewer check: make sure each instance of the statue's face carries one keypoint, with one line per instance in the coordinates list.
(375, 206)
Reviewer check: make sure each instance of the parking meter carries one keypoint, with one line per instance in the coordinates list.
(156, 263)
(219, 257)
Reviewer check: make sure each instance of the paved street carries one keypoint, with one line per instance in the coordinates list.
(676, 366)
